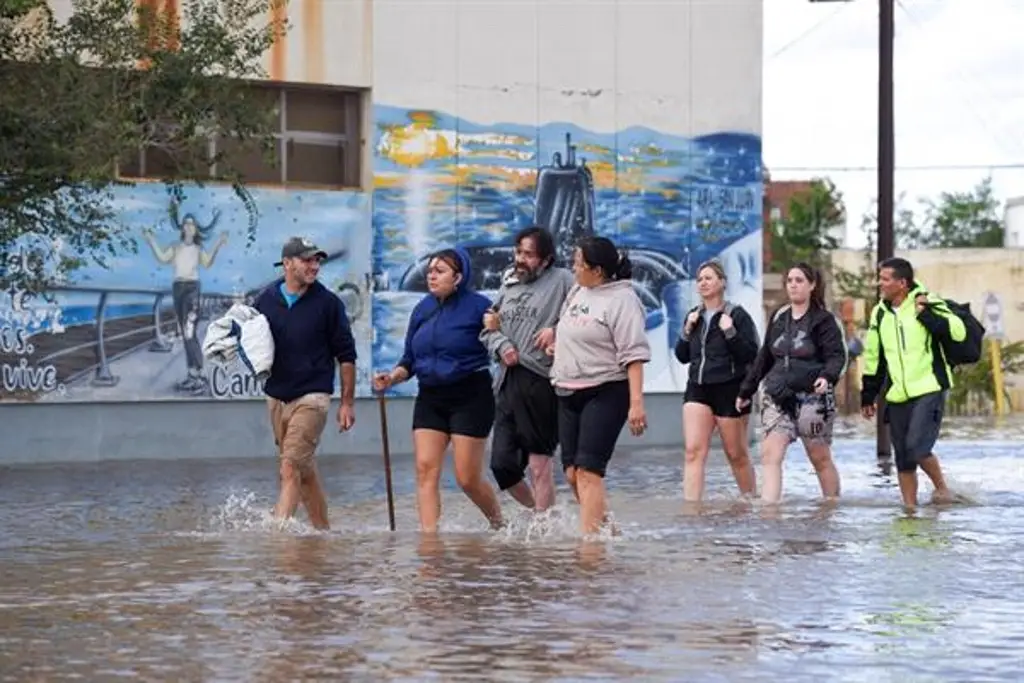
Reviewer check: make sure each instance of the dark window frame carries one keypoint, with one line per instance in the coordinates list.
(348, 139)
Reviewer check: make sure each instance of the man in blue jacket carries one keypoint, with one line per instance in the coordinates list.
(311, 333)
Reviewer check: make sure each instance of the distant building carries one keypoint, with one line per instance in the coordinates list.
(1013, 223)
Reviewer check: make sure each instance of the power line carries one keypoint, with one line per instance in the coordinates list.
(801, 37)
(872, 169)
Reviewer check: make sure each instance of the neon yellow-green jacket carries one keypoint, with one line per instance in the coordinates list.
(904, 346)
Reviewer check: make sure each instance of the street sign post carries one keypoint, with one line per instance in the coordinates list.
(995, 332)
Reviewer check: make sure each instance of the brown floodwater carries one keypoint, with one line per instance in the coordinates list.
(172, 571)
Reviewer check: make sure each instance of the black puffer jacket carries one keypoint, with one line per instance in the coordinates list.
(715, 357)
(796, 353)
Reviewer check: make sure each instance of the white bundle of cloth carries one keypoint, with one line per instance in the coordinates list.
(242, 333)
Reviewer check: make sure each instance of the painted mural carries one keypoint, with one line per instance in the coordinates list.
(132, 330)
(672, 202)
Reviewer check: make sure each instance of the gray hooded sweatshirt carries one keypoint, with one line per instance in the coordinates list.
(525, 309)
(601, 330)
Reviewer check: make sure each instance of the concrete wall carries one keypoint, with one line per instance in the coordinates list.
(968, 275)
(636, 120)
(90, 432)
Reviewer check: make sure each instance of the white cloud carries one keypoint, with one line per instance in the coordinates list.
(958, 98)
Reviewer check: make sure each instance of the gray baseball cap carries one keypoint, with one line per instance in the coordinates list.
(300, 247)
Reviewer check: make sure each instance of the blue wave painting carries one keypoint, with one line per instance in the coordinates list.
(673, 202)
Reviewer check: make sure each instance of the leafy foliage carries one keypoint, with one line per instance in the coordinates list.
(973, 389)
(93, 87)
(954, 220)
(963, 219)
(808, 232)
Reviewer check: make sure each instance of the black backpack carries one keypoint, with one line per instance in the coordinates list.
(957, 353)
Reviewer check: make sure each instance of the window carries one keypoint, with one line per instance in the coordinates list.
(318, 142)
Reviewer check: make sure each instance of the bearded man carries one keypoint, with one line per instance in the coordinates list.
(519, 331)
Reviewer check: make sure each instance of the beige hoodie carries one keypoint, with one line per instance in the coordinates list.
(601, 330)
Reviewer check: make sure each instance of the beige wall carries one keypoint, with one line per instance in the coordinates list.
(328, 41)
(967, 275)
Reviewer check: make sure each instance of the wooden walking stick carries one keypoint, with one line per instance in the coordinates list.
(382, 402)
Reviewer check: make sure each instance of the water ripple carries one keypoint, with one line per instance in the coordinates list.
(174, 571)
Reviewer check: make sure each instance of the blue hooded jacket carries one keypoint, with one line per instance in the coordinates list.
(442, 343)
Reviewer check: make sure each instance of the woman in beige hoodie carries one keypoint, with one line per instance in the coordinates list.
(599, 352)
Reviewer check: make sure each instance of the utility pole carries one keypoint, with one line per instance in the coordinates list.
(886, 182)
(886, 185)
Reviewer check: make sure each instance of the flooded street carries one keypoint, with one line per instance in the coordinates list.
(170, 571)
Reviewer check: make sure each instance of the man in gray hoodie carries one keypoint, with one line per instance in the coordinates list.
(518, 333)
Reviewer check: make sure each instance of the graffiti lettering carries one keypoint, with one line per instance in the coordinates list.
(226, 383)
(24, 377)
(717, 199)
(720, 229)
(14, 340)
(17, 375)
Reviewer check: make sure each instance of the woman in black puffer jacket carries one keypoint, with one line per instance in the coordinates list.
(719, 342)
(803, 356)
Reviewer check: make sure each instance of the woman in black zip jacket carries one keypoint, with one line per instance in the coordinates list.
(803, 356)
(719, 342)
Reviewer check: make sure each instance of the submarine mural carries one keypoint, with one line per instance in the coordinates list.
(670, 201)
(564, 203)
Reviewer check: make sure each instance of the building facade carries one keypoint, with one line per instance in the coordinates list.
(1013, 223)
(410, 126)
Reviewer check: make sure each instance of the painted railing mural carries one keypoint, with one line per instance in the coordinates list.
(133, 332)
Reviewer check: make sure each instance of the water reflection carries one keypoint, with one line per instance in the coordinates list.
(124, 570)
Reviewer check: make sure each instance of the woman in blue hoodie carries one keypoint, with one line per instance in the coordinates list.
(455, 403)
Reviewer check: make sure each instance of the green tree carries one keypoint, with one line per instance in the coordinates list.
(111, 78)
(862, 283)
(963, 219)
(813, 218)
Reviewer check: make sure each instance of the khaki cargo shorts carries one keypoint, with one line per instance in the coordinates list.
(814, 420)
(298, 426)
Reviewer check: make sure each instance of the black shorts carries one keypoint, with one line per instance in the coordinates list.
(589, 424)
(465, 407)
(721, 398)
(526, 422)
(914, 428)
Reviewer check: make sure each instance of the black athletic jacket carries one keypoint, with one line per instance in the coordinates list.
(795, 353)
(715, 357)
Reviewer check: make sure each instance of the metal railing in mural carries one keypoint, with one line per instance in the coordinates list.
(92, 347)
(124, 332)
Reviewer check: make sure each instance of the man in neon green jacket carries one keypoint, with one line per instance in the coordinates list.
(903, 345)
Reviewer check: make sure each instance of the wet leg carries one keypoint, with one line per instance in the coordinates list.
(542, 474)
(737, 451)
(522, 494)
(698, 424)
(773, 452)
(430, 446)
(291, 490)
(469, 473)
(820, 455)
(593, 501)
(313, 498)
(571, 479)
(931, 467)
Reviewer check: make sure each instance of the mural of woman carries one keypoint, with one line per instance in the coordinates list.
(185, 257)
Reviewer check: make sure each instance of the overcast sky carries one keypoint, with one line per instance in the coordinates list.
(959, 95)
